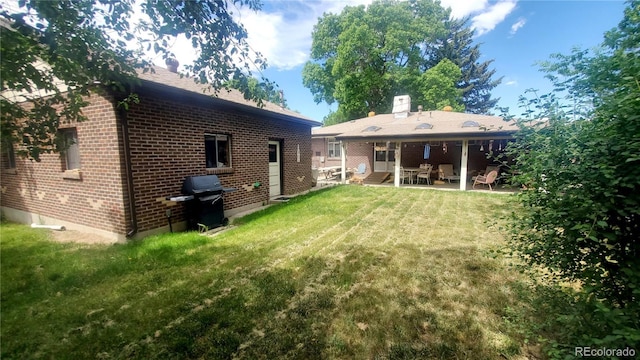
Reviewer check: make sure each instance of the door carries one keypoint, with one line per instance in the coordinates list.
(274, 169)
(384, 156)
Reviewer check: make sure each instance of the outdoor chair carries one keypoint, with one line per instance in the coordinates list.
(445, 172)
(404, 175)
(362, 168)
(486, 180)
(489, 169)
(425, 174)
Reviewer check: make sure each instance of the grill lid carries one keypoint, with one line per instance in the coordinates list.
(199, 184)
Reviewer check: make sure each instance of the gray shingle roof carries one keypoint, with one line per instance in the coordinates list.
(443, 124)
(164, 77)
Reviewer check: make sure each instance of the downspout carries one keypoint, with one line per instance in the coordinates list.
(127, 161)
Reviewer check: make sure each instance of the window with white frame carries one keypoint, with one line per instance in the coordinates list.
(334, 149)
(217, 150)
(71, 152)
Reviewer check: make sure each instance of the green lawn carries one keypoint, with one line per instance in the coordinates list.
(348, 272)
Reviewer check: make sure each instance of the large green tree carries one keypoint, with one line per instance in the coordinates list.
(62, 49)
(580, 214)
(477, 78)
(364, 56)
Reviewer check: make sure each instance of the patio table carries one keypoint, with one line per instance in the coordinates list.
(412, 171)
(330, 171)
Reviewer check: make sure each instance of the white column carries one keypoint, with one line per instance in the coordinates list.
(396, 169)
(463, 164)
(343, 158)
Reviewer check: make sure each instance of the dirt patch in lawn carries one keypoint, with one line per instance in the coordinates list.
(68, 236)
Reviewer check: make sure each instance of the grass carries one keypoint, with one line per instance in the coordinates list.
(348, 272)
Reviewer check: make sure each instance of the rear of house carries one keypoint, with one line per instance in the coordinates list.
(384, 143)
(116, 179)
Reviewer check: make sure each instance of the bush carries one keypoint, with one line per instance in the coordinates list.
(580, 217)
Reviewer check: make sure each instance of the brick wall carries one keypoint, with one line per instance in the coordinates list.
(94, 196)
(357, 153)
(167, 144)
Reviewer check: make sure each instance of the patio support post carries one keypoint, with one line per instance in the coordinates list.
(396, 168)
(343, 159)
(463, 165)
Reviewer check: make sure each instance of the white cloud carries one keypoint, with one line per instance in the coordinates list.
(511, 83)
(460, 9)
(484, 16)
(492, 16)
(282, 30)
(517, 25)
(283, 35)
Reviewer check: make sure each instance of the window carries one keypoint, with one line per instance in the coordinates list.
(70, 153)
(217, 149)
(334, 149)
(8, 157)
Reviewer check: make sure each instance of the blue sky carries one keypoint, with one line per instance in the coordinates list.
(515, 33)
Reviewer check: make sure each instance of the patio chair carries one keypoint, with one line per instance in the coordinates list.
(404, 175)
(426, 174)
(486, 172)
(486, 180)
(362, 168)
(445, 172)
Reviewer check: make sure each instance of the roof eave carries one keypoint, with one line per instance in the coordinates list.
(222, 103)
(437, 136)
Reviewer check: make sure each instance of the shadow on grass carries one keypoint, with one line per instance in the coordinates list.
(188, 297)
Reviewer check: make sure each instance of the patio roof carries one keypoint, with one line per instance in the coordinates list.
(420, 125)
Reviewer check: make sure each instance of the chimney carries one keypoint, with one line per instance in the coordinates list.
(172, 64)
(401, 106)
(281, 92)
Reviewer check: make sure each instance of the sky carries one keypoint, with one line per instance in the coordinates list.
(515, 34)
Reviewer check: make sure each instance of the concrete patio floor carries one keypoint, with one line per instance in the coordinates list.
(499, 188)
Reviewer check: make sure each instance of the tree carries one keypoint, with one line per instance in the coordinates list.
(438, 86)
(62, 49)
(476, 82)
(580, 214)
(259, 90)
(362, 57)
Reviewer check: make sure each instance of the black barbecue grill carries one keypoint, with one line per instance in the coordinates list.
(204, 201)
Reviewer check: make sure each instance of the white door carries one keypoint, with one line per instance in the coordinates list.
(384, 157)
(274, 169)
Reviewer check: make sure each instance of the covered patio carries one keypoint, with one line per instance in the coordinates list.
(398, 144)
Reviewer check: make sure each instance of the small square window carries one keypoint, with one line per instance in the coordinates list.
(217, 151)
(70, 152)
(334, 150)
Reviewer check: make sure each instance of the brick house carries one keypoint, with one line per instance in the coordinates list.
(115, 179)
(405, 138)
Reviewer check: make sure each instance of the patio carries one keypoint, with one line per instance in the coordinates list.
(445, 185)
(402, 140)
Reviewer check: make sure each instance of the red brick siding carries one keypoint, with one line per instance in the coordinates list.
(167, 144)
(97, 199)
(357, 153)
